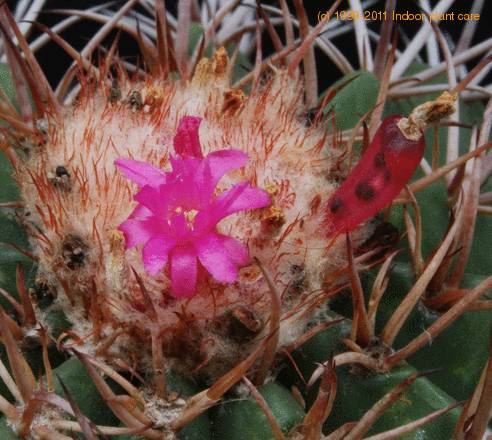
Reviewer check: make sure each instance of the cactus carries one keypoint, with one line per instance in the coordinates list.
(190, 251)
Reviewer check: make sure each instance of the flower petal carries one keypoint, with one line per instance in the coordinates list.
(248, 198)
(187, 141)
(184, 270)
(215, 257)
(142, 173)
(209, 217)
(135, 232)
(140, 230)
(193, 182)
(140, 212)
(183, 168)
(179, 228)
(155, 253)
(155, 199)
(240, 197)
(224, 161)
(203, 186)
(238, 252)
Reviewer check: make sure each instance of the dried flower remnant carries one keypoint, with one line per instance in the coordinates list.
(178, 212)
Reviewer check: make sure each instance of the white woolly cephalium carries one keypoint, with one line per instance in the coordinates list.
(77, 198)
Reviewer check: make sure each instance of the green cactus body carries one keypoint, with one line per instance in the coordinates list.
(243, 419)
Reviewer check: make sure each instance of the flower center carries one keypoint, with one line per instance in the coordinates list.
(189, 215)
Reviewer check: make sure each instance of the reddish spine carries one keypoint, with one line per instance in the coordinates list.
(382, 172)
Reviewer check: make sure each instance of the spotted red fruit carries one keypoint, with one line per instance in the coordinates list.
(379, 176)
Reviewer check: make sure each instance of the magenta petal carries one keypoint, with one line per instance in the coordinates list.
(178, 227)
(202, 186)
(237, 251)
(215, 257)
(192, 182)
(187, 141)
(156, 199)
(135, 233)
(155, 254)
(216, 211)
(183, 272)
(239, 198)
(183, 168)
(141, 173)
(223, 161)
(139, 231)
(248, 198)
(140, 212)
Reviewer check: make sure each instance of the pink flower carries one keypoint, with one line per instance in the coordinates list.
(178, 212)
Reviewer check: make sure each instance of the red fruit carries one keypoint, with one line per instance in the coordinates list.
(379, 176)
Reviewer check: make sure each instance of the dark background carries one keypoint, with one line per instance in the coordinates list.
(54, 61)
